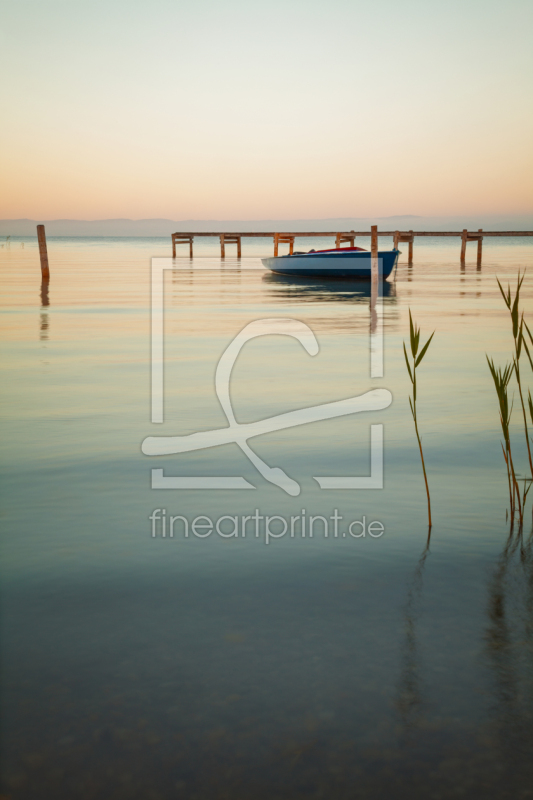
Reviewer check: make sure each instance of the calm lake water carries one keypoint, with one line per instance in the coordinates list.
(225, 667)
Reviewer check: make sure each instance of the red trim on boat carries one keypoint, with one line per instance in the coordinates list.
(341, 250)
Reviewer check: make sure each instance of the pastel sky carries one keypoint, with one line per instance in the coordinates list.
(243, 109)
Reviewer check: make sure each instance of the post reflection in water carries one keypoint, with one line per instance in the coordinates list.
(44, 323)
(409, 702)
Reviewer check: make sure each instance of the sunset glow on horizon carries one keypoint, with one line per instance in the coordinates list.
(211, 110)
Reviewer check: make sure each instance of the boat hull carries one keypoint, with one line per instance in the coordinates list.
(336, 264)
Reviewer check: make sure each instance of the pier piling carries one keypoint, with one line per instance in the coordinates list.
(472, 237)
(178, 238)
(229, 238)
(405, 237)
(281, 238)
(43, 253)
(345, 238)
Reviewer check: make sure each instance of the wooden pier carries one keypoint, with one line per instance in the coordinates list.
(340, 238)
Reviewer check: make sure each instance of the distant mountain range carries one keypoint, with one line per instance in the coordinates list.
(164, 227)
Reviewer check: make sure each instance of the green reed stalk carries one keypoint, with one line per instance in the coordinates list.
(526, 348)
(501, 380)
(414, 335)
(519, 340)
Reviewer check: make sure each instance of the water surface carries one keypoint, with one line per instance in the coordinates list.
(316, 667)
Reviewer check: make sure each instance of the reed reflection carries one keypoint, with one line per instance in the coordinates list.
(410, 702)
(509, 649)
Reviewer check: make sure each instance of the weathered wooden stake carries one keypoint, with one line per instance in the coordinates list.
(479, 247)
(464, 237)
(374, 241)
(43, 253)
(374, 284)
(411, 241)
(222, 246)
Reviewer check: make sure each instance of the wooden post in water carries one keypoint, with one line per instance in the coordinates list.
(222, 246)
(374, 281)
(374, 241)
(464, 237)
(411, 242)
(479, 247)
(43, 253)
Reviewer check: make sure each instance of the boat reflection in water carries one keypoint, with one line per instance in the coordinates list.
(324, 289)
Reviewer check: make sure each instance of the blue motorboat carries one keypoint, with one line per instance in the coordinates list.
(344, 262)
